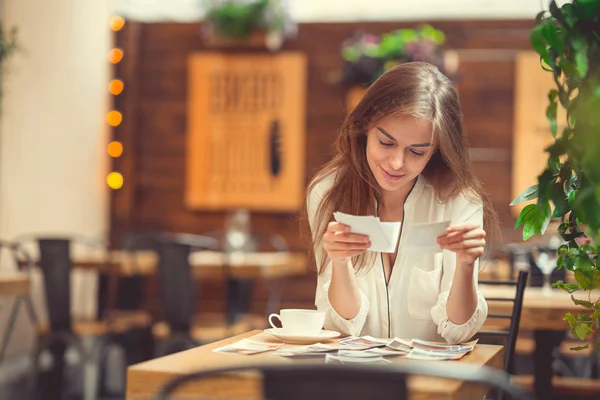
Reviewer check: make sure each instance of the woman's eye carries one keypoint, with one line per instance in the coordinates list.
(416, 153)
(386, 144)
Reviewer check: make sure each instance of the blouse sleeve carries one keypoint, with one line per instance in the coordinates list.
(333, 321)
(450, 331)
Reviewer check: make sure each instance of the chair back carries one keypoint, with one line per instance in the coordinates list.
(177, 283)
(55, 262)
(510, 335)
(333, 383)
(349, 381)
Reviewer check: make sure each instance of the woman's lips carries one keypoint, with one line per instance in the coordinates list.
(391, 177)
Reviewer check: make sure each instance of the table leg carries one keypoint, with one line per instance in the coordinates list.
(274, 300)
(51, 382)
(239, 296)
(543, 358)
(14, 313)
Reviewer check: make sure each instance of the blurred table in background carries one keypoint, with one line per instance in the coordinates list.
(14, 284)
(206, 264)
(543, 312)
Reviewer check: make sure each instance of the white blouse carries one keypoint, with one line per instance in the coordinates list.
(413, 303)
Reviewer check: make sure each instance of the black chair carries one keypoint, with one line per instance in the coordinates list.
(350, 382)
(178, 289)
(510, 335)
(239, 290)
(24, 264)
(62, 330)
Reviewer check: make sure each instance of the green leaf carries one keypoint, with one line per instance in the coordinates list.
(524, 215)
(551, 117)
(569, 287)
(582, 330)
(528, 230)
(570, 318)
(550, 33)
(596, 317)
(537, 41)
(568, 67)
(528, 194)
(581, 61)
(560, 201)
(598, 345)
(557, 13)
(579, 348)
(545, 181)
(584, 278)
(571, 198)
(583, 303)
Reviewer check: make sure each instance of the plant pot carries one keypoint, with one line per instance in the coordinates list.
(256, 40)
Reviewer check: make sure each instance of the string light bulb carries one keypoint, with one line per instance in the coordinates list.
(115, 180)
(117, 23)
(115, 55)
(115, 87)
(115, 149)
(114, 118)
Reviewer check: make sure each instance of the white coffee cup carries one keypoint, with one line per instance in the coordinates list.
(300, 322)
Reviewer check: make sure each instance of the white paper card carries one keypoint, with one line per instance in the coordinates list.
(422, 238)
(383, 235)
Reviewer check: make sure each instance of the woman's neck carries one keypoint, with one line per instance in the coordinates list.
(391, 204)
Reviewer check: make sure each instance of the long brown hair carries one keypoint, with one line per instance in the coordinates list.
(417, 89)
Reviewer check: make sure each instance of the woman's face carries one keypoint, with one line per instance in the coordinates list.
(398, 149)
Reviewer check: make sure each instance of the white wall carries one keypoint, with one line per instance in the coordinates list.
(350, 10)
(53, 132)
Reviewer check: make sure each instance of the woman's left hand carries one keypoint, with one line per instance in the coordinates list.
(467, 240)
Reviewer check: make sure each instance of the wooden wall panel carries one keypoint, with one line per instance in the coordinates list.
(487, 51)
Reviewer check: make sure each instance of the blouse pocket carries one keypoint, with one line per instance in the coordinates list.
(423, 291)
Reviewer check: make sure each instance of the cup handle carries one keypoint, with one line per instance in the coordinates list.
(271, 319)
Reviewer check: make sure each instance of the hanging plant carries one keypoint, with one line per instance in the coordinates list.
(568, 42)
(238, 22)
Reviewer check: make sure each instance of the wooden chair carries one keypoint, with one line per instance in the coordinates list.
(349, 382)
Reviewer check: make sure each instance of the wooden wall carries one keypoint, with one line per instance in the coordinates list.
(154, 127)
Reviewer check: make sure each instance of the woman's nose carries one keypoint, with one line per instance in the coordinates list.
(397, 160)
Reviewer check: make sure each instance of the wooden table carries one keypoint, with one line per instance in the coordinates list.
(145, 379)
(14, 284)
(541, 310)
(543, 314)
(206, 264)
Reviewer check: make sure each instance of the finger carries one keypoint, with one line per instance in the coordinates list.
(460, 235)
(345, 237)
(337, 227)
(345, 254)
(350, 237)
(465, 245)
(341, 246)
(463, 226)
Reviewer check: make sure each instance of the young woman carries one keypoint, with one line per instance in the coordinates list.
(402, 155)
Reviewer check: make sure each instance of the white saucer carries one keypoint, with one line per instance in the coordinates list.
(302, 339)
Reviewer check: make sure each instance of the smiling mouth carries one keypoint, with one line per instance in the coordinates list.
(391, 176)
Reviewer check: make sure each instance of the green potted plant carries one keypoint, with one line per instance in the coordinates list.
(567, 39)
(247, 23)
(8, 45)
(367, 56)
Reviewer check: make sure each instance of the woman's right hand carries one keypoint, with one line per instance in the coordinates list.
(341, 245)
